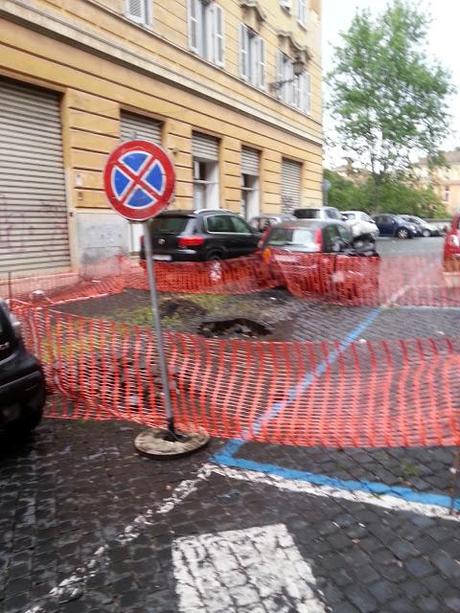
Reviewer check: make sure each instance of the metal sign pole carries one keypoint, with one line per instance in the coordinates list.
(158, 329)
(148, 194)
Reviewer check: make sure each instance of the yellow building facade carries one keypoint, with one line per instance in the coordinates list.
(445, 181)
(232, 88)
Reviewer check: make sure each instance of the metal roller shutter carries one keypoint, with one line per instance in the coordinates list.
(291, 173)
(138, 127)
(205, 147)
(250, 164)
(33, 210)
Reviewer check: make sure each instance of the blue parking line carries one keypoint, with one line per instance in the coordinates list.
(379, 489)
(233, 446)
(226, 456)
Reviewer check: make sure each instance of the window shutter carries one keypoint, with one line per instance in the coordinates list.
(244, 52)
(261, 63)
(193, 25)
(218, 35)
(137, 10)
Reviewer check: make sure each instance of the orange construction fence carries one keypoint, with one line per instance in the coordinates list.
(339, 279)
(364, 394)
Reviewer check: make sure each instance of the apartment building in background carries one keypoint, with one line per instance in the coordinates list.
(231, 88)
(445, 181)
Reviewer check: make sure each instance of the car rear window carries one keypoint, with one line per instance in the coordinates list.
(290, 236)
(307, 213)
(169, 225)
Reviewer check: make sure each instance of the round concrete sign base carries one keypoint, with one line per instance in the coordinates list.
(161, 444)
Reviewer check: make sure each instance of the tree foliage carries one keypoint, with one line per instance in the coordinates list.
(388, 98)
(395, 196)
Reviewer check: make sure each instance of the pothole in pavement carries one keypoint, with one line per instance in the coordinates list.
(239, 327)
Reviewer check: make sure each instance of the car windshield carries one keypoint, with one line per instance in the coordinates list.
(169, 225)
(290, 236)
(349, 215)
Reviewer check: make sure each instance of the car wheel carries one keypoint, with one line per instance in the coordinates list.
(426, 233)
(402, 233)
(214, 256)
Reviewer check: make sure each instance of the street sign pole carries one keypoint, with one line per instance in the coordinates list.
(158, 330)
(139, 181)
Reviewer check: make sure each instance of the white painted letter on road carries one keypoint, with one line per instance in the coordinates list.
(257, 570)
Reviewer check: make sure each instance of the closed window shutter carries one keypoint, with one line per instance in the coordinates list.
(261, 63)
(291, 174)
(205, 147)
(137, 10)
(193, 25)
(138, 127)
(218, 38)
(244, 52)
(250, 161)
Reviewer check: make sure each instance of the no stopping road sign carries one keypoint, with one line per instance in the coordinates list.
(139, 180)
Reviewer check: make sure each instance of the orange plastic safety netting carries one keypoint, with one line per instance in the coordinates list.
(340, 279)
(386, 393)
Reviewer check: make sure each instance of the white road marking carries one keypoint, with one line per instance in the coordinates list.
(72, 587)
(384, 501)
(242, 571)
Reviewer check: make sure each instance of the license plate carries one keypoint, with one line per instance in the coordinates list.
(162, 258)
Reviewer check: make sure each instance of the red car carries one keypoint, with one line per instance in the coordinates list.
(452, 247)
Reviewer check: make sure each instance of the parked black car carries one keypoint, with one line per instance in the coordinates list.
(395, 225)
(180, 235)
(22, 382)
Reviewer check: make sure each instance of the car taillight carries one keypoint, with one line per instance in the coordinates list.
(190, 241)
(319, 239)
(454, 240)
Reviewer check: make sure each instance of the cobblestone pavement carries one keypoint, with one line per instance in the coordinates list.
(71, 495)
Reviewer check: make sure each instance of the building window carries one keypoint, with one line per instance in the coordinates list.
(302, 8)
(445, 195)
(206, 30)
(294, 90)
(138, 11)
(250, 171)
(249, 196)
(252, 57)
(205, 184)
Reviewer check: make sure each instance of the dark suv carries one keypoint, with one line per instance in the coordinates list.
(22, 383)
(206, 234)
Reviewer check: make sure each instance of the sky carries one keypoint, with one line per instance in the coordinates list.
(444, 45)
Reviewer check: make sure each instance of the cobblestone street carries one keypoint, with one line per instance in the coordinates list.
(71, 540)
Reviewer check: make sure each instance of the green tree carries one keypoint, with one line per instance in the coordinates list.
(344, 194)
(395, 196)
(388, 98)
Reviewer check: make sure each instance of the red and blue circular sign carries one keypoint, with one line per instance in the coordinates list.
(139, 179)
